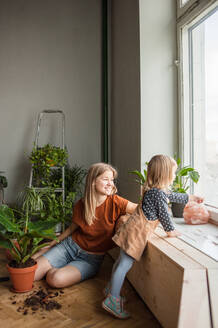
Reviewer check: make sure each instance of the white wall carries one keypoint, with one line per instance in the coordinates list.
(50, 57)
(158, 78)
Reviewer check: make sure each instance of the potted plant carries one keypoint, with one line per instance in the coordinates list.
(55, 208)
(74, 177)
(23, 238)
(43, 159)
(184, 175)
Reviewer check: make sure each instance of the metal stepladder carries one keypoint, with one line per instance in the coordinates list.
(58, 190)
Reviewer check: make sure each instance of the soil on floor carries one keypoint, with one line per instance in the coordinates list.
(39, 300)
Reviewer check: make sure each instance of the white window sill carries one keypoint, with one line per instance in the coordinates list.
(203, 237)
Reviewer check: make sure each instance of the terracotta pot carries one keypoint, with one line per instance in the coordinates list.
(22, 278)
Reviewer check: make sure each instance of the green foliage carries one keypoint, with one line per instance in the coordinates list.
(3, 181)
(184, 175)
(55, 208)
(43, 159)
(45, 203)
(28, 234)
(74, 177)
(140, 177)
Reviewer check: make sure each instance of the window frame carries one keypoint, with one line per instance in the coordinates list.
(189, 19)
(181, 9)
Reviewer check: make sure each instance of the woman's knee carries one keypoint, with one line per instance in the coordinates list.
(42, 267)
(54, 278)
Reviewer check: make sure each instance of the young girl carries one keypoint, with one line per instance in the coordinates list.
(82, 246)
(132, 236)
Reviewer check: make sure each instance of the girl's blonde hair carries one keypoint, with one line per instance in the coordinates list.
(90, 201)
(159, 172)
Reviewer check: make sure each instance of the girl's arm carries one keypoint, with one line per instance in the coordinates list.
(176, 197)
(130, 208)
(165, 218)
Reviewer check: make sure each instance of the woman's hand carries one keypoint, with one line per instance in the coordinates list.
(173, 233)
(196, 199)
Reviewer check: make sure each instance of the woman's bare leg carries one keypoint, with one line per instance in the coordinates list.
(43, 266)
(63, 277)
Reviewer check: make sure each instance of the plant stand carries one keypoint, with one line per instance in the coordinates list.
(61, 190)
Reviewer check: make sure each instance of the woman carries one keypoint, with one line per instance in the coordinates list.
(81, 248)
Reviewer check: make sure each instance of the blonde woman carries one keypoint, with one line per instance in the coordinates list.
(81, 248)
(132, 236)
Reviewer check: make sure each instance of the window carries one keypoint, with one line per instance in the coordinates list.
(183, 2)
(199, 100)
(186, 5)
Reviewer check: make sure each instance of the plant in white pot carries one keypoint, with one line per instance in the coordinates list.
(23, 239)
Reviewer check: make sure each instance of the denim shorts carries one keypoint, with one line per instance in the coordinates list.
(68, 252)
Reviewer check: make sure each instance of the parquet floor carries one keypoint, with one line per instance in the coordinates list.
(80, 305)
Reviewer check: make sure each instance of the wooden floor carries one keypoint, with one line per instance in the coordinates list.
(80, 305)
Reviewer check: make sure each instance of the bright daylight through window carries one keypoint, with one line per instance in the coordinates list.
(201, 109)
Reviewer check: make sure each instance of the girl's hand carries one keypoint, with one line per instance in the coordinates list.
(173, 233)
(196, 199)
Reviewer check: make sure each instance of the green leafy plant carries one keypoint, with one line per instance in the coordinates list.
(184, 175)
(74, 177)
(43, 159)
(55, 208)
(140, 177)
(29, 235)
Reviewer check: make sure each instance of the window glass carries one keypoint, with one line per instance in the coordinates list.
(203, 104)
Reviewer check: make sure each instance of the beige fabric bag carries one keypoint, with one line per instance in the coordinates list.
(133, 234)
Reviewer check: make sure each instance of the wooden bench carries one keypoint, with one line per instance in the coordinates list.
(177, 282)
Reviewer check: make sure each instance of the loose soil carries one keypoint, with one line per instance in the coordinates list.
(38, 301)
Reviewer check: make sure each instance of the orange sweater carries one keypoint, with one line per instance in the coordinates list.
(97, 238)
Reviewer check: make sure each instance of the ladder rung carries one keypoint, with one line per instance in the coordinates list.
(43, 188)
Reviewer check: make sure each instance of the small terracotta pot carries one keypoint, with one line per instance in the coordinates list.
(22, 278)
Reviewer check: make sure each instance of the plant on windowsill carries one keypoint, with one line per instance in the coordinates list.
(184, 175)
(23, 238)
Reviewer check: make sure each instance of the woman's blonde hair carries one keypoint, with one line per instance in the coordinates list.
(159, 172)
(90, 201)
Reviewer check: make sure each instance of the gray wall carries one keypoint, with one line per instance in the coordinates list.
(125, 94)
(50, 57)
(144, 103)
(158, 78)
